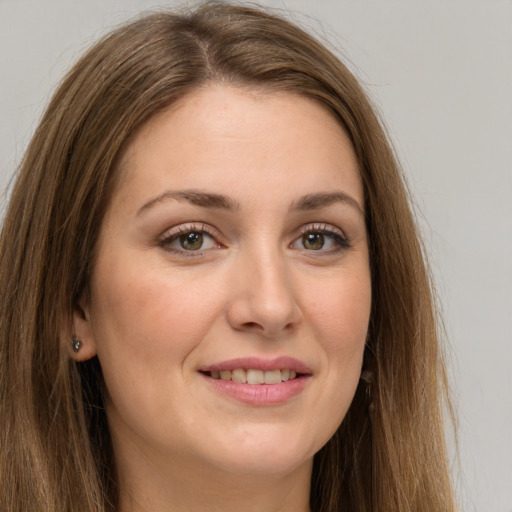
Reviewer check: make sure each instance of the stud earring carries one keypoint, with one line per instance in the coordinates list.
(76, 343)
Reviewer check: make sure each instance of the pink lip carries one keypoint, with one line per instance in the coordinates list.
(257, 363)
(259, 394)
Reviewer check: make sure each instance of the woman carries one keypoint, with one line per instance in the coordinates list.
(214, 295)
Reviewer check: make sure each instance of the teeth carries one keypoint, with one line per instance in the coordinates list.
(225, 375)
(239, 376)
(252, 376)
(255, 377)
(272, 377)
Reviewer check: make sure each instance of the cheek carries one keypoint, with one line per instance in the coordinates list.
(340, 315)
(149, 313)
(146, 325)
(340, 312)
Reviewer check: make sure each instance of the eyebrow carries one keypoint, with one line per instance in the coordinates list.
(195, 197)
(220, 201)
(323, 199)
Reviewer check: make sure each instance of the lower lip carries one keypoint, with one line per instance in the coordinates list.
(260, 394)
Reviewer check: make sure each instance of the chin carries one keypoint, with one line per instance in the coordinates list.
(266, 452)
(275, 465)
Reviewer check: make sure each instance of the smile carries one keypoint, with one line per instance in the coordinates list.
(258, 381)
(254, 376)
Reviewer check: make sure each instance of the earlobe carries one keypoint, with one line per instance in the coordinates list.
(82, 344)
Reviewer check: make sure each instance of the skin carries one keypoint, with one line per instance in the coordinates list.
(159, 312)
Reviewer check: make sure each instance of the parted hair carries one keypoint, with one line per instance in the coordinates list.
(389, 453)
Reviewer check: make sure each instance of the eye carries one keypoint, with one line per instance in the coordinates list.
(314, 241)
(321, 238)
(188, 239)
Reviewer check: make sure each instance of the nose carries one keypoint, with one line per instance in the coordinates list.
(263, 298)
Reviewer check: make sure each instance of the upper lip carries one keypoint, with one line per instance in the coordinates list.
(258, 363)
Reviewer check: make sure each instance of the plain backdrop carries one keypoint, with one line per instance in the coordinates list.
(441, 75)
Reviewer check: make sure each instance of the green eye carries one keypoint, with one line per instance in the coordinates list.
(313, 241)
(189, 240)
(192, 241)
(322, 238)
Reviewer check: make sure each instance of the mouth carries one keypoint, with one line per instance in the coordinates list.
(254, 376)
(258, 382)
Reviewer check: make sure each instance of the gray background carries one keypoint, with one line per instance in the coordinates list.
(441, 74)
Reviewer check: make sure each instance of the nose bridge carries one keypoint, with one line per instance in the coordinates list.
(264, 297)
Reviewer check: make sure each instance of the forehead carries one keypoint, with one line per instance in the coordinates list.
(236, 141)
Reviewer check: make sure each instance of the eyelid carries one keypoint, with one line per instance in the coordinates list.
(182, 229)
(322, 227)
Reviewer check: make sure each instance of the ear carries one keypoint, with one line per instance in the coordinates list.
(82, 332)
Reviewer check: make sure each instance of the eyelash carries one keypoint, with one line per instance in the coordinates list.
(174, 234)
(340, 240)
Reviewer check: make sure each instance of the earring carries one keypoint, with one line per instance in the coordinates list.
(367, 378)
(76, 343)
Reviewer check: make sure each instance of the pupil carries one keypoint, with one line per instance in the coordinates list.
(191, 241)
(314, 241)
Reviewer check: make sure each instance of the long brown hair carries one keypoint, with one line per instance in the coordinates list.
(55, 451)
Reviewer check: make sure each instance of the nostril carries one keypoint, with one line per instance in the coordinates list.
(251, 325)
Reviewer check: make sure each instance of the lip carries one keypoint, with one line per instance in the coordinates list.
(259, 394)
(258, 363)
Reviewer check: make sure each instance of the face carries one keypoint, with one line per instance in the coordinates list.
(231, 292)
